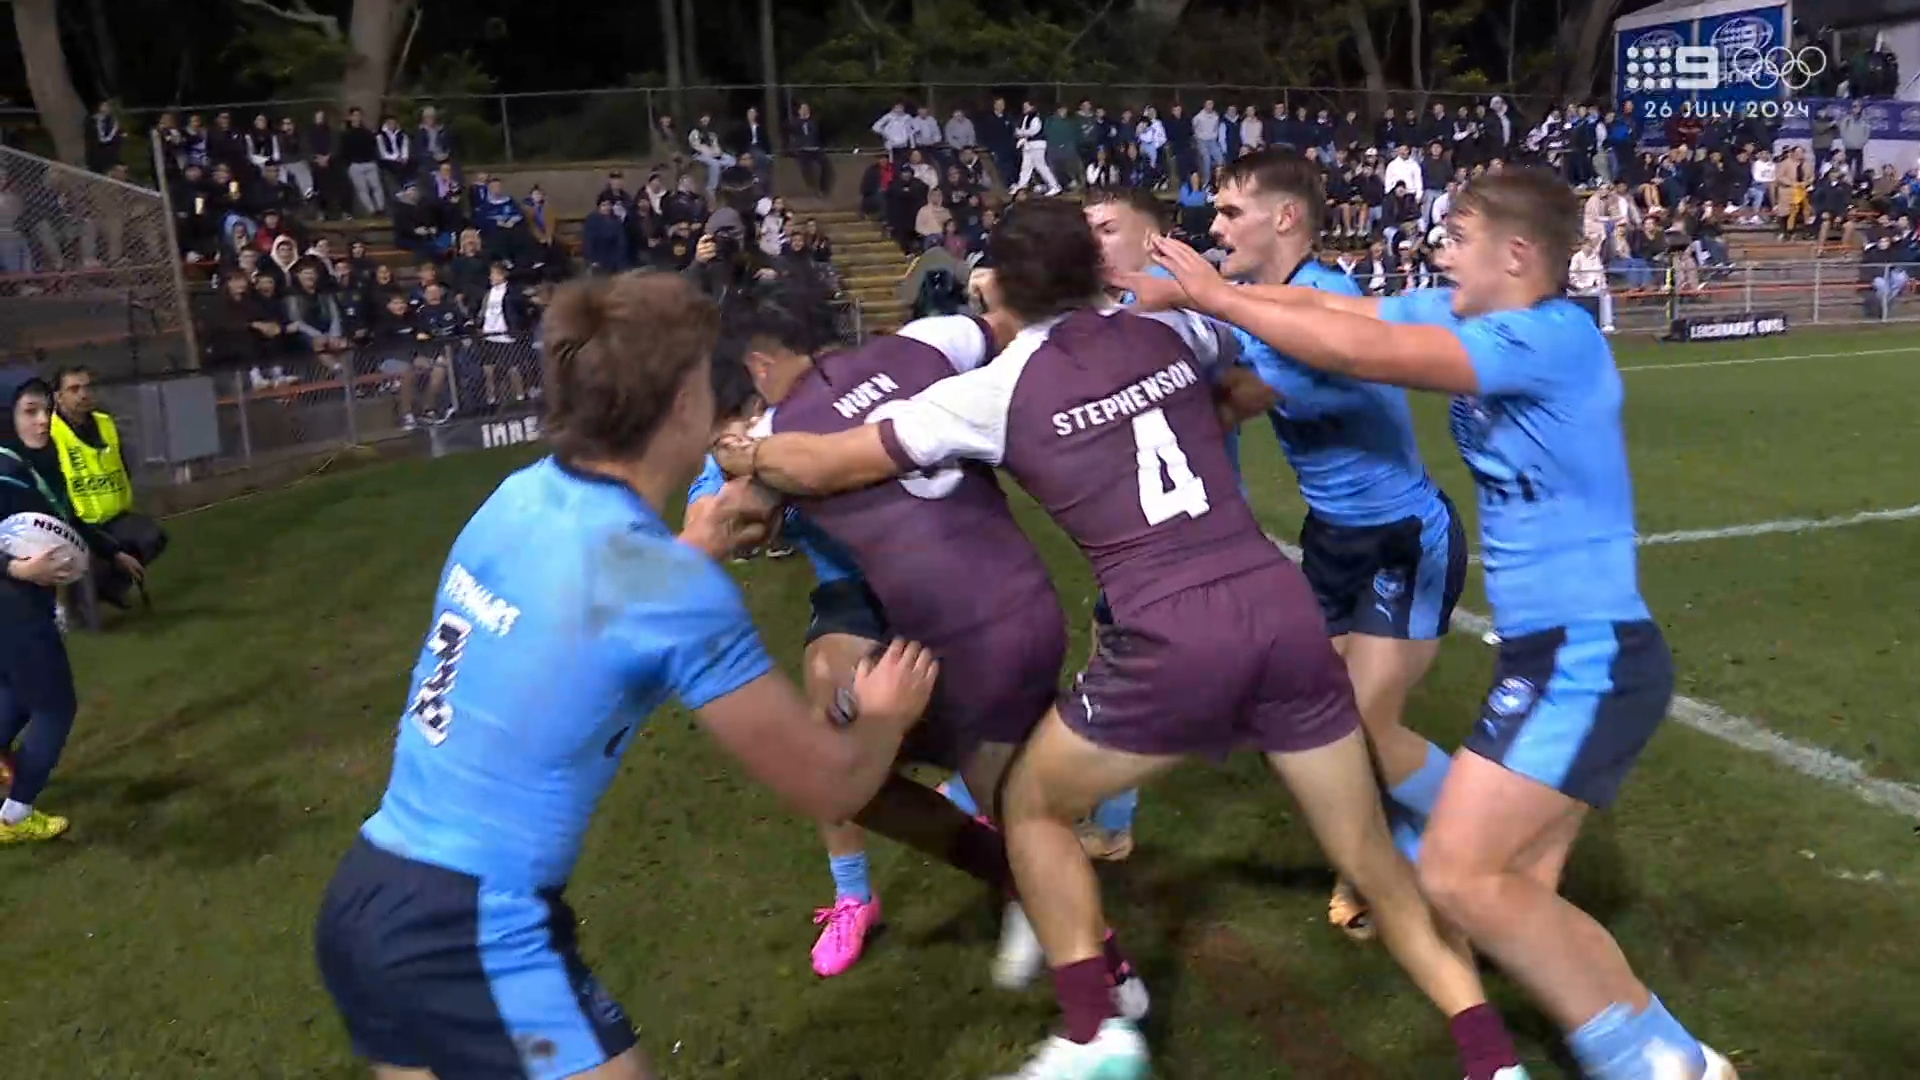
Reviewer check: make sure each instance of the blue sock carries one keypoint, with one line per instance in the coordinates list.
(958, 795)
(1116, 814)
(1421, 790)
(1616, 1044)
(850, 877)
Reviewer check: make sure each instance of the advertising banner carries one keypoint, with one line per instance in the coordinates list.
(1890, 119)
(1755, 56)
(1749, 324)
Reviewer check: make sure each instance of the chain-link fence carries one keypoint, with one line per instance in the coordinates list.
(87, 275)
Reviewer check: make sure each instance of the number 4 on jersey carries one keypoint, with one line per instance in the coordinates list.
(1157, 449)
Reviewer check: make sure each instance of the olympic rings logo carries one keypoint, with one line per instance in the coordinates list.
(1778, 66)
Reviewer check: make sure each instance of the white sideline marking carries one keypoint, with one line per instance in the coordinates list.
(1766, 528)
(1786, 525)
(1769, 359)
(1710, 719)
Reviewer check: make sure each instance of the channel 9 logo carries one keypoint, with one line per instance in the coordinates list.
(1681, 68)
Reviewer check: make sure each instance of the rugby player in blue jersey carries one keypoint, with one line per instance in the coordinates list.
(1381, 544)
(1583, 677)
(568, 611)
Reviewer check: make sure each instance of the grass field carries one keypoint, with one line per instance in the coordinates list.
(231, 742)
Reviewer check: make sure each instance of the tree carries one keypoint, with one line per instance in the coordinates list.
(37, 24)
(367, 48)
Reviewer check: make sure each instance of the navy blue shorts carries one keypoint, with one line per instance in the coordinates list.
(1574, 707)
(432, 970)
(1399, 580)
(846, 606)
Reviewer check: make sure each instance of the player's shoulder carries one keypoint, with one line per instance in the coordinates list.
(1556, 328)
(1420, 306)
(1318, 275)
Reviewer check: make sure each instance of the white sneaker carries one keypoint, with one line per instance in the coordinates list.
(1020, 956)
(1512, 1072)
(1117, 1053)
(1132, 1002)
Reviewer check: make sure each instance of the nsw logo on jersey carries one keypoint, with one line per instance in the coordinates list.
(1513, 697)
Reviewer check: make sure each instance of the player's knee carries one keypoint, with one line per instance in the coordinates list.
(1448, 881)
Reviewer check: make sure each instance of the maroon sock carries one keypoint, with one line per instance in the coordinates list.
(1118, 969)
(1085, 993)
(980, 851)
(1482, 1041)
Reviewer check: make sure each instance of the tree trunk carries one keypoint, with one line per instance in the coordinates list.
(1417, 52)
(1581, 37)
(37, 25)
(373, 31)
(689, 42)
(770, 114)
(103, 44)
(1513, 39)
(1369, 56)
(1164, 13)
(676, 81)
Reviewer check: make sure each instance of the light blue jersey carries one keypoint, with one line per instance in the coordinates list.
(1548, 456)
(1351, 443)
(830, 560)
(566, 614)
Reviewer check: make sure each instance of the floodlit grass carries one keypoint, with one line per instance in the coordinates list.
(231, 742)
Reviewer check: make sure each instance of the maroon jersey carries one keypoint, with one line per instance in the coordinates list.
(1107, 418)
(939, 548)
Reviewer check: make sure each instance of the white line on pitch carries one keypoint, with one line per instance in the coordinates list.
(1769, 359)
(1787, 525)
(1767, 528)
(1710, 719)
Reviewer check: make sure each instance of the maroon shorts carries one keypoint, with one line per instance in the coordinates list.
(996, 684)
(1241, 663)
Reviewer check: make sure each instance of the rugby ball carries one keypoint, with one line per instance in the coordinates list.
(25, 535)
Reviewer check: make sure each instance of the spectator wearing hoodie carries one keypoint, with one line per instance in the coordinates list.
(959, 131)
(603, 240)
(313, 318)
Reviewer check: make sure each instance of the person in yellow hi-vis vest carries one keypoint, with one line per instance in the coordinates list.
(92, 462)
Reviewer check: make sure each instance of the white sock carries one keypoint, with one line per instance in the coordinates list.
(13, 813)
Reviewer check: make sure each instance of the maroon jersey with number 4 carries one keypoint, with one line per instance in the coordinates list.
(1107, 418)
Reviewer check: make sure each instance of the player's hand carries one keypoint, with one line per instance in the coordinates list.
(1242, 395)
(983, 288)
(1151, 293)
(46, 570)
(734, 454)
(132, 567)
(893, 688)
(1195, 274)
(743, 513)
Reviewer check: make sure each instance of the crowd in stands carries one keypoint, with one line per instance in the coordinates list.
(1390, 180)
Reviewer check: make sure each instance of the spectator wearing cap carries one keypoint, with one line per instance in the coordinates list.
(433, 144)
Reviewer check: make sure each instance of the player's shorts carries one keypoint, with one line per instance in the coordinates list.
(1573, 707)
(1398, 580)
(430, 970)
(1239, 663)
(846, 606)
(995, 685)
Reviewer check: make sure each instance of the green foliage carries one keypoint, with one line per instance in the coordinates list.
(454, 84)
(289, 60)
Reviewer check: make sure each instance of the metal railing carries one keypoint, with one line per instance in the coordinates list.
(273, 403)
(623, 122)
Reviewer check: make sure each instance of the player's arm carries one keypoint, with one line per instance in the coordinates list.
(959, 418)
(1414, 356)
(1316, 298)
(726, 516)
(825, 764)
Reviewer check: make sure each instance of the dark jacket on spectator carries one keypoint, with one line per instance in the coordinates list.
(603, 243)
(804, 134)
(996, 131)
(103, 142)
(442, 321)
(414, 226)
(357, 146)
(431, 146)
